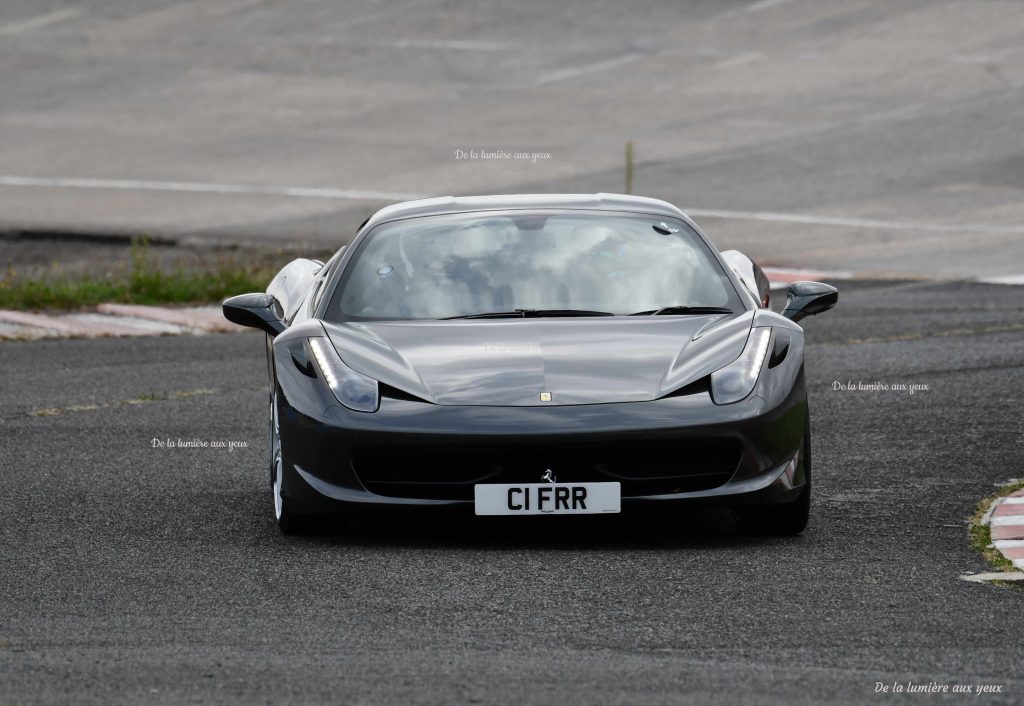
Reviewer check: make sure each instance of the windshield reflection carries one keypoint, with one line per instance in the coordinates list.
(460, 265)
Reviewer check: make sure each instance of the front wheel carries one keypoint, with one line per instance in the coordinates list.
(788, 518)
(288, 521)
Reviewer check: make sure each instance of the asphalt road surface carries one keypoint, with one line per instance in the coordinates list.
(136, 574)
(885, 135)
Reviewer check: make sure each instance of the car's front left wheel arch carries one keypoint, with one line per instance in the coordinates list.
(784, 519)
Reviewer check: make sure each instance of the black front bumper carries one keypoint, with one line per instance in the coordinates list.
(410, 453)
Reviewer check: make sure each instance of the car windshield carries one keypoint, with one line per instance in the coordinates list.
(558, 264)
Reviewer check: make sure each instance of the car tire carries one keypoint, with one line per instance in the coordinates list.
(786, 519)
(288, 521)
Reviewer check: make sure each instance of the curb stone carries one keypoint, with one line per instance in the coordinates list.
(114, 320)
(1006, 524)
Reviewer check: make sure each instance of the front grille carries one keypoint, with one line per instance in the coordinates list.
(643, 468)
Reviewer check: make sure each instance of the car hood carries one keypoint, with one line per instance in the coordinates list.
(510, 362)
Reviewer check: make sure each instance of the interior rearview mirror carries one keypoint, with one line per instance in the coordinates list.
(257, 310)
(809, 298)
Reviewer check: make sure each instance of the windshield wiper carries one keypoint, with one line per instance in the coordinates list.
(529, 314)
(684, 311)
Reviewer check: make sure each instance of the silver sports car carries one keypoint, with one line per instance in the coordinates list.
(535, 355)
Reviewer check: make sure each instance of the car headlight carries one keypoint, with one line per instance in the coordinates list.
(736, 380)
(354, 390)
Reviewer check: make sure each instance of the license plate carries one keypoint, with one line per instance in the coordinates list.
(547, 498)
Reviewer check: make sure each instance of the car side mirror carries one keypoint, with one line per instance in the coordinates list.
(255, 310)
(809, 298)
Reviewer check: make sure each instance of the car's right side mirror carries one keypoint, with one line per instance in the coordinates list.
(809, 298)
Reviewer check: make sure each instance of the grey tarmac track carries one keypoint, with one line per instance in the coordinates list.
(200, 114)
(130, 574)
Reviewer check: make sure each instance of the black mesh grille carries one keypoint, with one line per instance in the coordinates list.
(643, 468)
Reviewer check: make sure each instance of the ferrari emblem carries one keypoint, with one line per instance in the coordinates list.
(545, 397)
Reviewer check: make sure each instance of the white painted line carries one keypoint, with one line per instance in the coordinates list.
(852, 222)
(1007, 279)
(755, 7)
(796, 274)
(1008, 543)
(563, 74)
(40, 21)
(740, 60)
(1019, 563)
(800, 272)
(973, 58)
(764, 5)
(1004, 520)
(994, 576)
(371, 195)
(1014, 500)
(200, 187)
(457, 44)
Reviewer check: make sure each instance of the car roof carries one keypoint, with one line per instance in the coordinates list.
(466, 204)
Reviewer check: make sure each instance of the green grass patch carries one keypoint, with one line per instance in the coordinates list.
(143, 281)
(981, 535)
